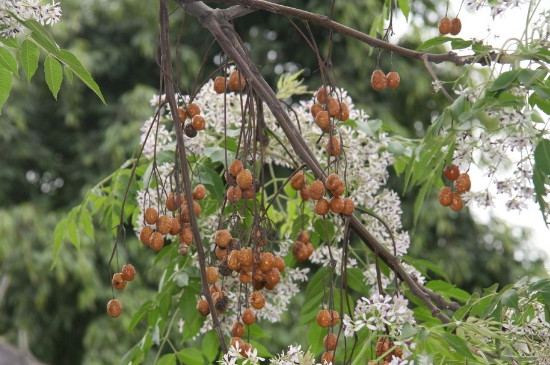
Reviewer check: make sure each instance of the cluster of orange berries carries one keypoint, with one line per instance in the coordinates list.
(327, 108)
(384, 345)
(260, 269)
(316, 191)
(328, 319)
(241, 182)
(119, 281)
(462, 184)
(452, 26)
(198, 123)
(236, 83)
(174, 225)
(379, 81)
(302, 249)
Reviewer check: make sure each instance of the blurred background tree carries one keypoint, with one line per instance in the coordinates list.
(53, 151)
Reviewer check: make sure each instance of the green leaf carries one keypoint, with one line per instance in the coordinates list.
(10, 42)
(542, 156)
(458, 43)
(41, 36)
(190, 356)
(210, 345)
(405, 7)
(137, 317)
(29, 55)
(76, 67)
(54, 74)
(356, 280)
(8, 61)
(422, 265)
(528, 77)
(458, 344)
(315, 337)
(5, 85)
(504, 80)
(86, 222)
(510, 298)
(58, 235)
(434, 42)
(187, 305)
(74, 235)
(262, 350)
(168, 359)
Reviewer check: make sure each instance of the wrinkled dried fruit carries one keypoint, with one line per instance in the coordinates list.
(118, 281)
(444, 26)
(299, 251)
(151, 215)
(344, 112)
(322, 95)
(267, 260)
(193, 109)
(219, 85)
(257, 300)
(315, 109)
(202, 307)
(298, 180)
(330, 341)
(234, 194)
(236, 81)
(182, 114)
(316, 190)
(333, 146)
(248, 316)
(333, 107)
(451, 172)
(128, 272)
(199, 192)
(457, 202)
(323, 318)
(337, 204)
(322, 206)
(114, 308)
(236, 167)
(340, 189)
(156, 242)
(164, 224)
(244, 179)
(327, 358)
(349, 206)
(190, 131)
(304, 193)
(463, 183)
(222, 237)
(393, 79)
(237, 330)
(303, 236)
(175, 228)
(212, 274)
(332, 181)
(456, 26)
(378, 80)
(445, 196)
(198, 122)
(279, 263)
(322, 120)
(145, 235)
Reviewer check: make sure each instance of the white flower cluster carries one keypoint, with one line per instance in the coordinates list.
(531, 336)
(24, 10)
(506, 155)
(294, 356)
(379, 313)
(497, 6)
(234, 354)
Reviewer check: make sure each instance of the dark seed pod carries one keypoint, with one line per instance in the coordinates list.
(189, 130)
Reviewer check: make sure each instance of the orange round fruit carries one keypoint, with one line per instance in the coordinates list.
(378, 80)
(145, 235)
(457, 203)
(234, 194)
(156, 242)
(182, 114)
(349, 206)
(164, 224)
(128, 272)
(236, 82)
(248, 316)
(333, 107)
(151, 215)
(198, 122)
(219, 84)
(463, 183)
(202, 307)
(315, 109)
(322, 120)
(244, 179)
(451, 172)
(222, 237)
(445, 196)
(327, 358)
(267, 260)
(316, 190)
(332, 181)
(237, 330)
(393, 79)
(199, 192)
(279, 263)
(456, 26)
(193, 109)
(322, 95)
(297, 180)
(212, 274)
(344, 112)
(303, 236)
(257, 300)
(444, 26)
(114, 308)
(333, 146)
(330, 341)
(337, 204)
(118, 281)
(322, 206)
(323, 318)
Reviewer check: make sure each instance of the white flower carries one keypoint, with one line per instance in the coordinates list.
(48, 14)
